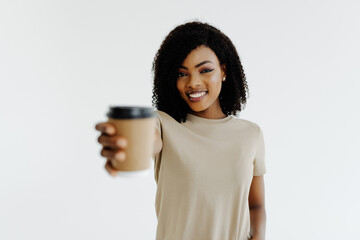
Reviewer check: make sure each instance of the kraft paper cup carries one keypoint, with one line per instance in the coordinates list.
(137, 125)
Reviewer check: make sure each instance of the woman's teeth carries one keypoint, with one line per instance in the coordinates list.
(196, 95)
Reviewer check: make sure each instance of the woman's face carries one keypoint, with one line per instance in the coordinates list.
(199, 82)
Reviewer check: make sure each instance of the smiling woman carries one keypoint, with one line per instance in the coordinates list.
(209, 171)
(208, 164)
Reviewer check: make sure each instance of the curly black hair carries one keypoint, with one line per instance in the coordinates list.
(174, 49)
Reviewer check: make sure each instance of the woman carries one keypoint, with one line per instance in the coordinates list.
(209, 164)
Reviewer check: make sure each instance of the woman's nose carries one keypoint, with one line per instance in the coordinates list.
(194, 82)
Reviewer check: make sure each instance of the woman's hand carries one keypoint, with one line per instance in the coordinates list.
(113, 146)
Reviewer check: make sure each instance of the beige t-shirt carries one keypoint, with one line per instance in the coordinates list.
(203, 175)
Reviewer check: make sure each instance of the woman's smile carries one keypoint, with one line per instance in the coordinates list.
(195, 97)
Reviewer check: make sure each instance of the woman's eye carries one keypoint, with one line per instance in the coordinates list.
(207, 70)
(180, 74)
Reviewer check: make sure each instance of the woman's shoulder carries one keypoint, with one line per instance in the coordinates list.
(162, 115)
(163, 118)
(245, 123)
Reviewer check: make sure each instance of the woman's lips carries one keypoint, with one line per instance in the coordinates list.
(196, 99)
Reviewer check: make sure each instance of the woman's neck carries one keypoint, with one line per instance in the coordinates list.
(209, 115)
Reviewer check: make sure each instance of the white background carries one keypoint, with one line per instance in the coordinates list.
(62, 63)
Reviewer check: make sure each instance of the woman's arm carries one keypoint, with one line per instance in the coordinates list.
(257, 208)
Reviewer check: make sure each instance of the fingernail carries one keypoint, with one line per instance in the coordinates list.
(120, 156)
(121, 142)
(109, 130)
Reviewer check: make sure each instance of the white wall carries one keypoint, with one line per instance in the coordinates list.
(62, 63)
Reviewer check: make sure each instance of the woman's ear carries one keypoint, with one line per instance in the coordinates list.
(223, 72)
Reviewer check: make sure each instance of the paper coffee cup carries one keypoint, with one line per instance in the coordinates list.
(137, 125)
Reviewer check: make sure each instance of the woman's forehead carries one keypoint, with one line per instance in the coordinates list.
(200, 54)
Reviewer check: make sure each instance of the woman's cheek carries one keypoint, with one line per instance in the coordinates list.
(180, 88)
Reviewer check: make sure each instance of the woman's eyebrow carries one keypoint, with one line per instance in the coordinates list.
(199, 64)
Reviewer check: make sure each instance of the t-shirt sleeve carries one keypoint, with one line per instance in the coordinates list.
(158, 123)
(259, 160)
(157, 157)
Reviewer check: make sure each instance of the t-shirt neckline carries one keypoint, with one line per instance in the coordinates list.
(194, 118)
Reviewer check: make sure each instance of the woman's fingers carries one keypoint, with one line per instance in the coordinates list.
(118, 155)
(106, 128)
(113, 146)
(112, 141)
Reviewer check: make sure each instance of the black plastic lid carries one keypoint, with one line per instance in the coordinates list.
(130, 112)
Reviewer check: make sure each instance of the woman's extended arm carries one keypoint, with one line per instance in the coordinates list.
(257, 208)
